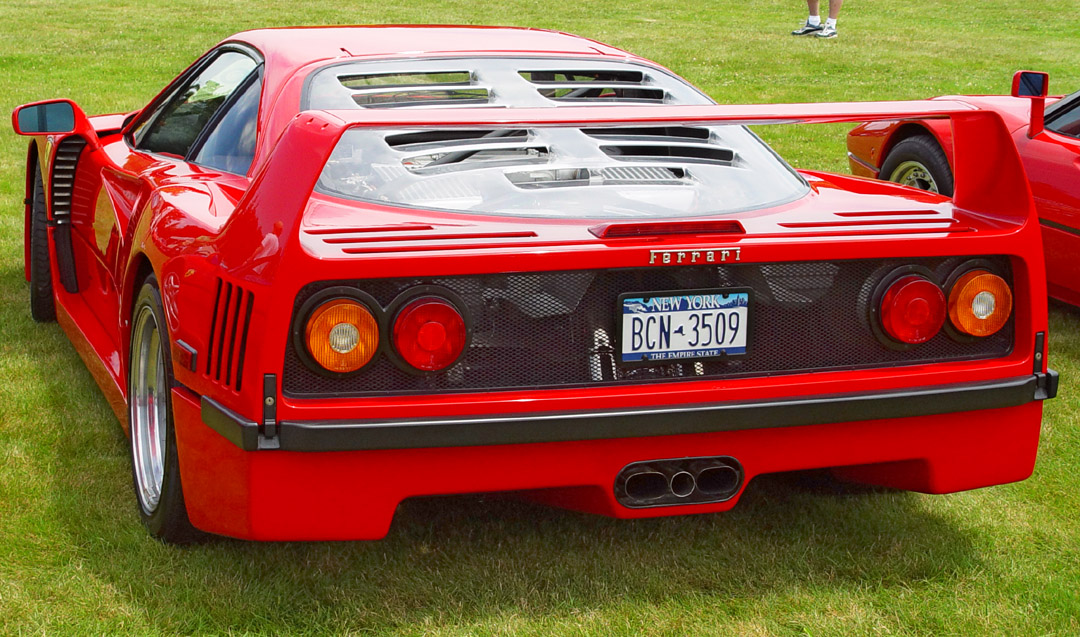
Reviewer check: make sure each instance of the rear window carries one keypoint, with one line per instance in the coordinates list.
(553, 172)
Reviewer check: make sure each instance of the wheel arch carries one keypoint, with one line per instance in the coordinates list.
(138, 270)
(939, 131)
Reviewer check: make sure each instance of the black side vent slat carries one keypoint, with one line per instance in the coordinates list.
(63, 175)
(227, 345)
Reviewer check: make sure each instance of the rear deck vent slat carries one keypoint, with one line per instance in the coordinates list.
(392, 90)
(595, 86)
(701, 153)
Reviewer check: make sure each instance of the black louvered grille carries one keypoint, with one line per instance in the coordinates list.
(63, 176)
(228, 334)
(558, 329)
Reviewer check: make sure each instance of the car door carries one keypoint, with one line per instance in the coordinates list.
(1052, 161)
(201, 130)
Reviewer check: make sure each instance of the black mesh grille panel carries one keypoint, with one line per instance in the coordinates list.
(558, 329)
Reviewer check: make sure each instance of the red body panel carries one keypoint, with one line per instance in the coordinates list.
(269, 236)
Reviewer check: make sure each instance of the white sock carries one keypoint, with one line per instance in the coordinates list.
(830, 22)
(814, 20)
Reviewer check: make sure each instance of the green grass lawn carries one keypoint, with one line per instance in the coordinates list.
(795, 556)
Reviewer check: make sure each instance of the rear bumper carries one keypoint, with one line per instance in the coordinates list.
(934, 440)
(505, 429)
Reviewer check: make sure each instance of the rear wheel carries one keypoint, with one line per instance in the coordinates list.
(155, 467)
(920, 163)
(42, 303)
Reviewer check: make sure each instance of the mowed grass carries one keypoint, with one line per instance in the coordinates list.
(795, 556)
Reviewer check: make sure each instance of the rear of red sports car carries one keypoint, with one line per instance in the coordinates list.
(563, 272)
(627, 310)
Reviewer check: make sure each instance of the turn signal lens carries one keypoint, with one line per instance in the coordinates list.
(342, 335)
(429, 334)
(980, 303)
(912, 310)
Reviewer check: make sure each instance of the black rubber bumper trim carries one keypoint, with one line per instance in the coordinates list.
(406, 433)
(238, 430)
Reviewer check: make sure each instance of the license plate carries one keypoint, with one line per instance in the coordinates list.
(668, 326)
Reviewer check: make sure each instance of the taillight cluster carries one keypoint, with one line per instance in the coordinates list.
(913, 308)
(341, 331)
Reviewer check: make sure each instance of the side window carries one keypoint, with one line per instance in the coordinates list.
(174, 129)
(230, 146)
(1068, 122)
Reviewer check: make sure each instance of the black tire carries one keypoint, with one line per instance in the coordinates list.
(164, 516)
(919, 161)
(42, 303)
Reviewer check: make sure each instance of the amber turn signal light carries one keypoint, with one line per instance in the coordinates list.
(341, 335)
(980, 303)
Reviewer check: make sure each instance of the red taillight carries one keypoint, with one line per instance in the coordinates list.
(429, 334)
(912, 310)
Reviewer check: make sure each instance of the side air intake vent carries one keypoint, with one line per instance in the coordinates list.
(600, 86)
(61, 190)
(390, 90)
(63, 176)
(228, 334)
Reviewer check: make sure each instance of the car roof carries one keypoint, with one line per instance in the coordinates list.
(297, 46)
(291, 53)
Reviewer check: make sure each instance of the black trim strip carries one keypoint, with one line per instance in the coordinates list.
(1059, 226)
(862, 162)
(238, 430)
(343, 435)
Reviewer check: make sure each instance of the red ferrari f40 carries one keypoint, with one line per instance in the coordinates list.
(328, 269)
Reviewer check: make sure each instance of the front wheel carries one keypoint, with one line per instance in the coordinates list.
(920, 163)
(155, 467)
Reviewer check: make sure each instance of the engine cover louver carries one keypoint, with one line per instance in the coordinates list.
(227, 344)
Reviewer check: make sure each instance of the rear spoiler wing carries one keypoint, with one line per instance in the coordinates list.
(989, 176)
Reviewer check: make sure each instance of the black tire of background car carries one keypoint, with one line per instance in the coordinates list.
(925, 151)
(42, 303)
(169, 521)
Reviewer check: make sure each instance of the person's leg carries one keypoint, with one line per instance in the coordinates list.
(834, 8)
(813, 23)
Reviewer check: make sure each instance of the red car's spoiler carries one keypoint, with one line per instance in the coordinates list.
(989, 177)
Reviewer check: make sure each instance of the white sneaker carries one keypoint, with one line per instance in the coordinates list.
(807, 29)
(826, 32)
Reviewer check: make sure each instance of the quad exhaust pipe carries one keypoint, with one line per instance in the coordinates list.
(678, 481)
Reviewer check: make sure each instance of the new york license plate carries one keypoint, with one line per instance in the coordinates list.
(669, 326)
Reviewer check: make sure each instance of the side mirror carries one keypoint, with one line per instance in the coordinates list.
(1032, 85)
(45, 118)
(54, 117)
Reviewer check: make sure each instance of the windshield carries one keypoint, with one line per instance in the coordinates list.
(554, 172)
